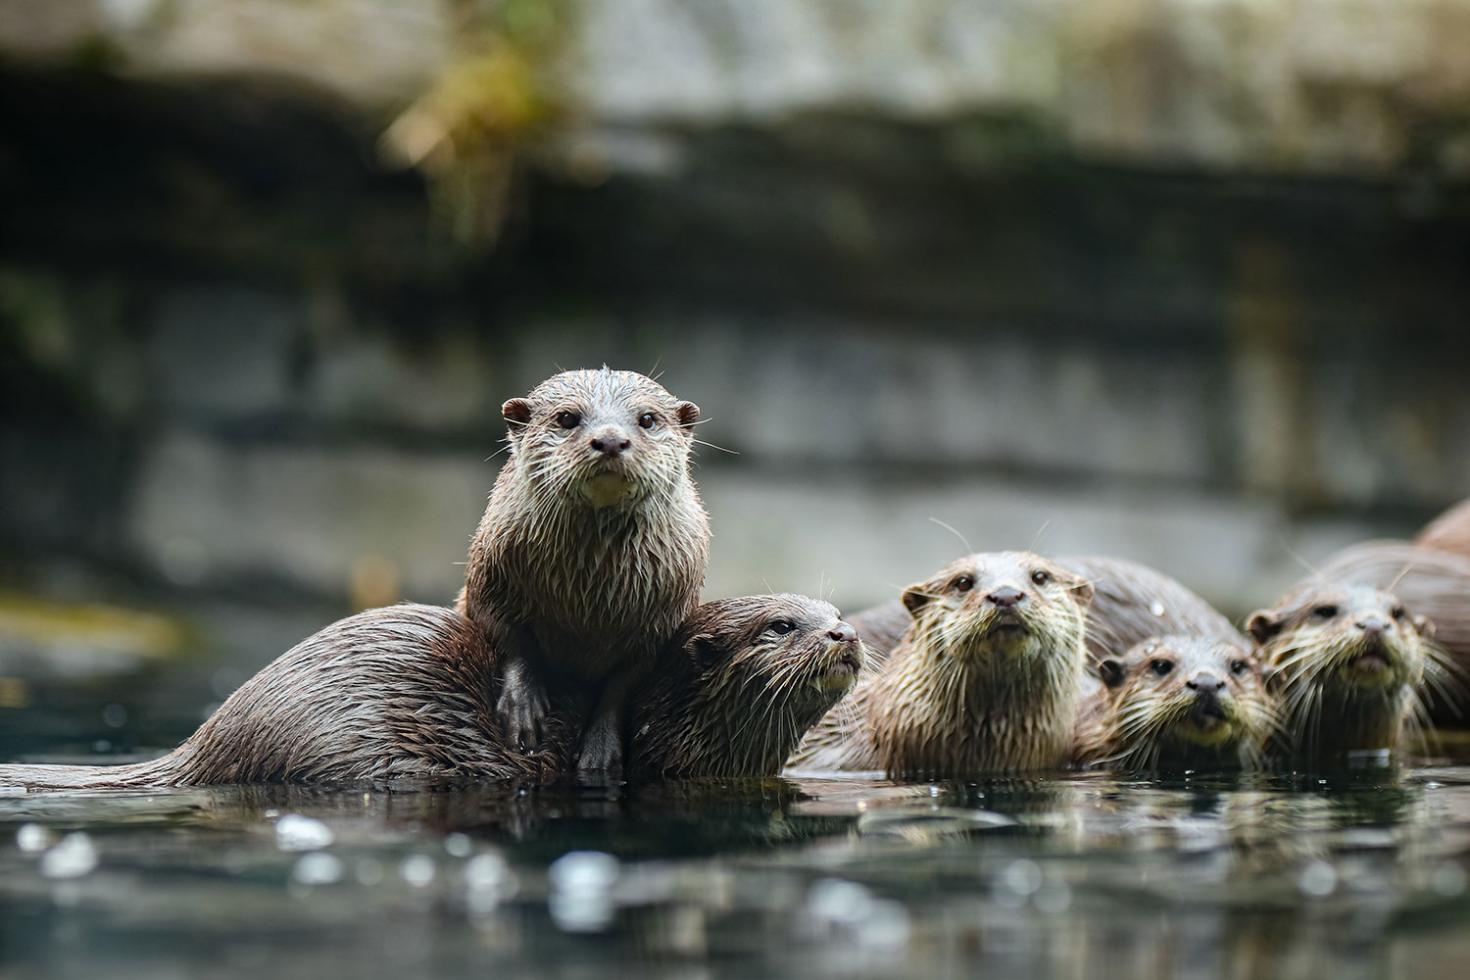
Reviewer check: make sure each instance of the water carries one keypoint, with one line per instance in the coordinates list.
(1074, 874)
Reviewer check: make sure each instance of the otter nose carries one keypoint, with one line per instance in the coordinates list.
(1373, 626)
(610, 441)
(1005, 597)
(843, 633)
(1205, 683)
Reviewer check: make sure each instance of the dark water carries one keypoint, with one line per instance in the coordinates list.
(1079, 875)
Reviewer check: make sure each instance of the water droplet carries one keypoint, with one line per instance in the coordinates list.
(369, 872)
(1448, 879)
(1022, 877)
(581, 890)
(1157, 609)
(1317, 879)
(459, 845)
(101, 745)
(114, 716)
(32, 837)
(74, 857)
(317, 868)
(839, 902)
(297, 833)
(583, 871)
(488, 882)
(418, 870)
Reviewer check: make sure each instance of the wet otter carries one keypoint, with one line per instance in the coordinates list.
(592, 549)
(1177, 702)
(405, 692)
(1449, 531)
(986, 678)
(1348, 662)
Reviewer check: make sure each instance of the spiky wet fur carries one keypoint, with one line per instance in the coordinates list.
(730, 698)
(956, 698)
(1146, 721)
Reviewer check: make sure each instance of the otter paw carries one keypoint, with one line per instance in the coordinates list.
(522, 708)
(602, 752)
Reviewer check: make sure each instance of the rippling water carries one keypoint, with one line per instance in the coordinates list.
(1349, 874)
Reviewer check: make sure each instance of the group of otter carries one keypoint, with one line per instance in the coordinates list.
(578, 645)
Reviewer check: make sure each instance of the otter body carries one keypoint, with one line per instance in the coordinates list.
(406, 692)
(1349, 663)
(986, 678)
(592, 549)
(1449, 531)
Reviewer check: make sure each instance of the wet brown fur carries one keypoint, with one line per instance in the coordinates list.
(970, 688)
(575, 593)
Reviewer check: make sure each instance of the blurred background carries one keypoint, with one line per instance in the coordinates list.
(1184, 281)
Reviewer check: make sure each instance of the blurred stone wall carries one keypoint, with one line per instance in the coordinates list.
(1179, 281)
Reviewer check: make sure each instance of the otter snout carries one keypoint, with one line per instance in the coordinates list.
(610, 440)
(843, 633)
(1373, 627)
(1006, 597)
(1208, 690)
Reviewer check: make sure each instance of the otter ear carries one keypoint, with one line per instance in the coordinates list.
(516, 412)
(703, 651)
(1083, 592)
(1111, 671)
(688, 414)
(916, 597)
(1263, 625)
(1425, 626)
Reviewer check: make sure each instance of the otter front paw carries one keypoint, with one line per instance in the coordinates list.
(522, 707)
(602, 752)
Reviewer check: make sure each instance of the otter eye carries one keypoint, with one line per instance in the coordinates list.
(780, 626)
(1397, 612)
(1238, 666)
(1040, 577)
(964, 583)
(1325, 612)
(568, 420)
(647, 420)
(1161, 667)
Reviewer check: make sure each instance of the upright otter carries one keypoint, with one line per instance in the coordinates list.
(406, 692)
(1177, 702)
(1348, 661)
(592, 549)
(1449, 531)
(986, 678)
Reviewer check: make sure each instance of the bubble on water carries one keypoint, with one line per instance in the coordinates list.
(488, 882)
(73, 857)
(317, 868)
(839, 902)
(1448, 879)
(418, 870)
(114, 716)
(1317, 879)
(459, 845)
(886, 925)
(368, 872)
(1052, 898)
(581, 890)
(32, 837)
(1022, 877)
(297, 833)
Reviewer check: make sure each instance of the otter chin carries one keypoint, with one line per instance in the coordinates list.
(1348, 663)
(607, 489)
(985, 679)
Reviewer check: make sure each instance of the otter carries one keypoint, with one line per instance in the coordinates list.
(1177, 702)
(591, 551)
(1348, 662)
(405, 693)
(986, 677)
(1449, 531)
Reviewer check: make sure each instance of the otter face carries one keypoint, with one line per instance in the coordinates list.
(1003, 607)
(602, 438)
(1352, 637)
(1176, 694)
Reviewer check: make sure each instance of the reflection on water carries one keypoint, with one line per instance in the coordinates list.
(1355, 874)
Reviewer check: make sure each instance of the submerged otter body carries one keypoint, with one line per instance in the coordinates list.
(407, 693)
(985, 679)
(592, 549)
(1349, 662)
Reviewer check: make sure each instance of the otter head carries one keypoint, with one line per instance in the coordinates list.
(1345, 661)
(600, 438)
(1352, 637)
(751, 676)
(1012, 611)
(1183, 699)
